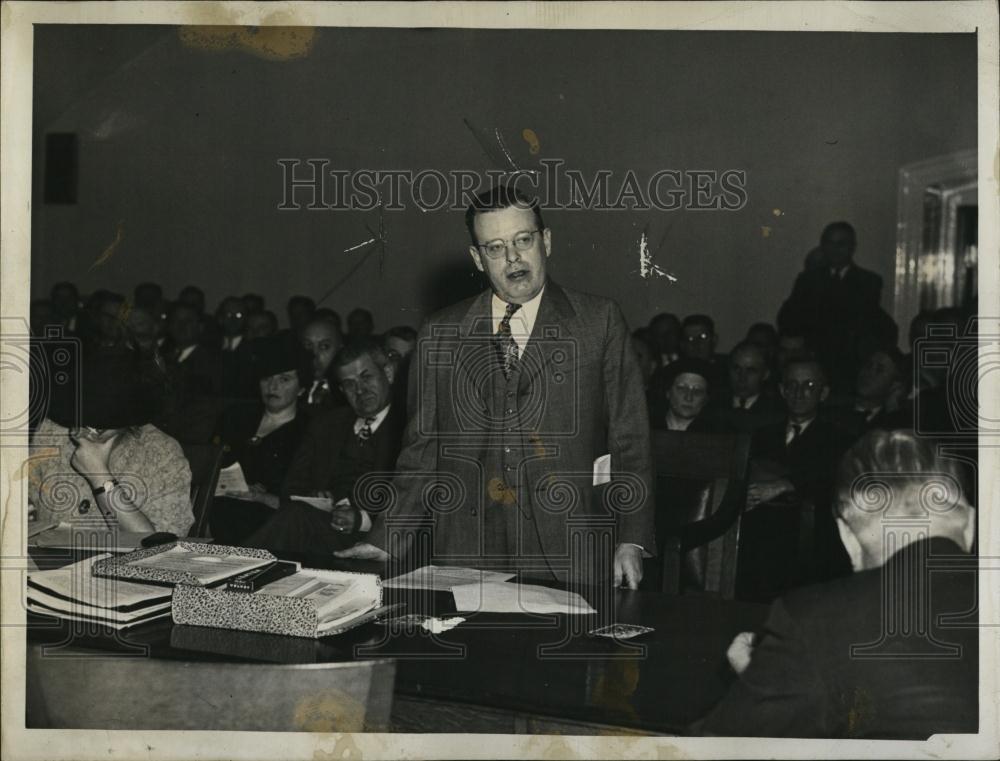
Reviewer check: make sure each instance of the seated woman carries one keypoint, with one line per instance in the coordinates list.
(262, 437)
(682, 500)
(687, 395)
(96, 458)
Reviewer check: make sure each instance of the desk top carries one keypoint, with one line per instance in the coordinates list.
(541, 665)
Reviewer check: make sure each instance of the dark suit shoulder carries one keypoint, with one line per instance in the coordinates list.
(332, 418)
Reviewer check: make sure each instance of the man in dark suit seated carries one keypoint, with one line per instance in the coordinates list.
(792, 465)
(748, 406)
(877, 401)
(341, 445)
(322, 338)
(855, 657)
(835, 304)
(194, 376)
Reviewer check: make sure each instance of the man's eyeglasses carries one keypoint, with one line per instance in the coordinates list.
(808, 386)
(522, 241)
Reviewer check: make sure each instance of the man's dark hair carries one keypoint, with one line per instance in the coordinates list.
(664, 317)
(357, 349)
(65, 285)
(301, 301)
(835, 226)
(498, 198)
(699, 319)
(147, 294)
(808, 359)
(747, 346)
(763, 327)
(330, 315)
(404, 332)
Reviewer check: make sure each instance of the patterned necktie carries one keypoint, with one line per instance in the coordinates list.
(366, 430)
(506, 345)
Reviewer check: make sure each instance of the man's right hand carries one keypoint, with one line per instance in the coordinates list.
(345, 518)
(740, 651)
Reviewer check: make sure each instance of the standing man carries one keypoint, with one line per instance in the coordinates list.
(519, 397)
(834, 305)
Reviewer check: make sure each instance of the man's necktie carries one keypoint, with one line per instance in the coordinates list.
(365, 432)
(506, 345)
(793, 432)
(743, 403)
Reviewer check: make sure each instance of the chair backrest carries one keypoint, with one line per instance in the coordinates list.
(704, 517)
(205, 461)
(155, 693)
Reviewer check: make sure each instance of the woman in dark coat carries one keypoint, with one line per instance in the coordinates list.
(262, 437)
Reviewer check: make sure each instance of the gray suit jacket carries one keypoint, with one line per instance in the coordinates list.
(579, 396)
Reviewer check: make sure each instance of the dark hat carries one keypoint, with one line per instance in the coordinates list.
(691, 365)
(107, 390)
(280, 353)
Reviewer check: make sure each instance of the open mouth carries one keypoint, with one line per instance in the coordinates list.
(518, 274)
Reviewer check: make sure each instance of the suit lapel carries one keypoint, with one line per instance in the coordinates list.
(478, 354)
(551, 323)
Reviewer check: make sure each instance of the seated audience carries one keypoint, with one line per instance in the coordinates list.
(300, 313)
(262, 437)
(646, 354)
(97, 458)
(194, 297)
(322, 339)
(253, 303)
(698, 340)
(399, 343)
(791, 474)
(340, 446)
(749, 406)
(855, 657)
(665, 335)
(331, 316)
(360, 324)
(261, 324)
(194, 378)
(679, 500)
(877, 401)
(684, 407)
(765, 337)
(237, 376)
(65, 301)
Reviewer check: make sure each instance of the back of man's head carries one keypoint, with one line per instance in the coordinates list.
(894, 489)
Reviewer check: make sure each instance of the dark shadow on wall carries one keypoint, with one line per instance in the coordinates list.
(450, 283)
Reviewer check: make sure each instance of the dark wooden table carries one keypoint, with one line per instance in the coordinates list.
(504, 673)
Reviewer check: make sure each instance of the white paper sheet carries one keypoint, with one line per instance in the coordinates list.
(231, 481)
(443, 578)
(602, 470)
(518, 598)
(77, 582)
(320, 503)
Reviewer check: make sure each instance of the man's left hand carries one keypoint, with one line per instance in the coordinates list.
(628, 566)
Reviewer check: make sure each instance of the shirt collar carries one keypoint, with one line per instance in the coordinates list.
(186, 352)
(750, 401)
(523, 320)
(378, 418)
(802, 426)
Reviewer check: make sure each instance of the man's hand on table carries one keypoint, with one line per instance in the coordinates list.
(740, 651)
(628, 566)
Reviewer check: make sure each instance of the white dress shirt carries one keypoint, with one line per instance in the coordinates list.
(231, 343)
(522, 322)
(790, 431)
(376, 421)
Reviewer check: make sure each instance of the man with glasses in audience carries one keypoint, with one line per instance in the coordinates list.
(522, 397)
(340, 446)
(792, 466)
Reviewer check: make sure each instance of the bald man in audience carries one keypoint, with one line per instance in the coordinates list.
(855, 658)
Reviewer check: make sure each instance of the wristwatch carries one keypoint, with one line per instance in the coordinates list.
(106, 487)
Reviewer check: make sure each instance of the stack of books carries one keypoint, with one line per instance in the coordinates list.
(73, 593)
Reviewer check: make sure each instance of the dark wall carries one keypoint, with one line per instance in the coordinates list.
(179, 144)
